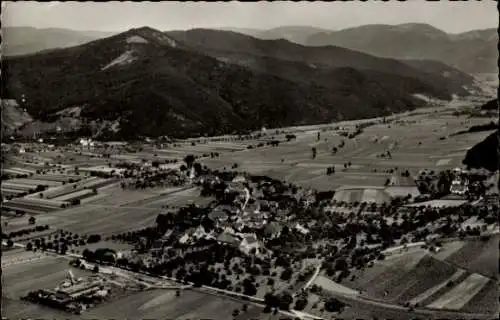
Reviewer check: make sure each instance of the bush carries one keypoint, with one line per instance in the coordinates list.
(300, 304)
(94, 238)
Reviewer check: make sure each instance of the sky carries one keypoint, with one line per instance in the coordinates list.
(449, 16)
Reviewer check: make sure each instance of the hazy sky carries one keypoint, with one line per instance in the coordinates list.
(449, 16)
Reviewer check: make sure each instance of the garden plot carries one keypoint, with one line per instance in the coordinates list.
(461, 294)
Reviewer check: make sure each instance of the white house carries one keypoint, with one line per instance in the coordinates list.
(84, 142)
(301, 229)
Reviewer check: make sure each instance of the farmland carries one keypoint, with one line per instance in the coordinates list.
(407, 142)
(113, 211)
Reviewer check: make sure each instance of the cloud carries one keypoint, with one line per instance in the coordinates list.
(53, 4)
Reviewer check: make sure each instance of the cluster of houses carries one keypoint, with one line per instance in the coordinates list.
(249, 221)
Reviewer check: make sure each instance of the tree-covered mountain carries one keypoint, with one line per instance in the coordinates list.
(144, 82)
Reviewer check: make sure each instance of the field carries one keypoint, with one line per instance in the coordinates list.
(478, 256)
(113, 211)
(411, 145)
(441, 281)
(485, 301)
(458, 296)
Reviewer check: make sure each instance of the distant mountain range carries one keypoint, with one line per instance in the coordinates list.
(473, 52)
(26, 40)
(144, 82)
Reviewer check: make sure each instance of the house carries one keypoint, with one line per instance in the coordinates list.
(218, 216)
(301, 229)
(84, 142)
(248, 243)
(239, 179)
(227, 239)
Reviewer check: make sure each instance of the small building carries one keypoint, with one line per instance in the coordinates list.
(248, 243)
(301, 229)
(218, 215)
(228, 239)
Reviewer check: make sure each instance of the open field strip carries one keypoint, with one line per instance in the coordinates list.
(18, 186)
(448, 249)
(35, 182)
(431, 291)
(485, 301)
(11, 191)
(330, 285)
(56, 177)
(458, 296)
(74, 195)
(17, 261)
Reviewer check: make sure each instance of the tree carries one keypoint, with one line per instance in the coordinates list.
(285, 300)
(93, 238)
(236, 312)
(197, 168)
(189, 160)
(29, 246)
(334, 305)
(300, 304)
(96, 268)
(314, 153)
(10, 243)
(32, 220)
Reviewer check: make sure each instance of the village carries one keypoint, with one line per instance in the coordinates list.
(284, 245)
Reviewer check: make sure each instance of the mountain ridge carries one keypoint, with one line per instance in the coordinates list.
(148, 83)
(473, 51)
